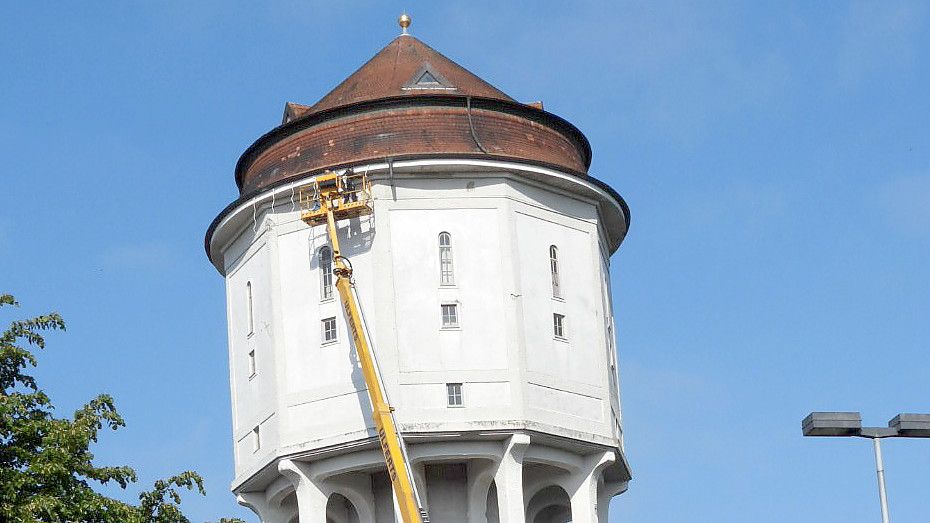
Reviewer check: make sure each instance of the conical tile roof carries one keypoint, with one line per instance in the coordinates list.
(409, 101)
(407, 67)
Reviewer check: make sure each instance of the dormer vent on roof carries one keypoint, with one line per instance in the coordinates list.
(428, 78)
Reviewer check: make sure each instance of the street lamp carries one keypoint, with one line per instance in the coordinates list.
(849, 424)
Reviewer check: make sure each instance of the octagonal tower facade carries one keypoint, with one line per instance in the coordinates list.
(483, 275)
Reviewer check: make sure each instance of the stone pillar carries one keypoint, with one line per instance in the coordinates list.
(267, 512)
(480, 476)
(311, 497)
(606, 491)
(509, 480)
(582, 487)
(418, 471)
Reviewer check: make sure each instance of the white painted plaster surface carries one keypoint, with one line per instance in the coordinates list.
(307, 395)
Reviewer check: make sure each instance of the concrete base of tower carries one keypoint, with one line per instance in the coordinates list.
(511, 480)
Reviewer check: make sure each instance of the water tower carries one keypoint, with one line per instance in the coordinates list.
(483, 277)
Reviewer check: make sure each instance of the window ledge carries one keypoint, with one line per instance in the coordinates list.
(252, 376)
(328, 300)
(560, 338)
(558, 298)
(455, 406)
(328, 343)
(455, 328)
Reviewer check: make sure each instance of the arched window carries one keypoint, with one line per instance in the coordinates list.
(446, 275)
(326, 273)
(554, 270)
(251, 310)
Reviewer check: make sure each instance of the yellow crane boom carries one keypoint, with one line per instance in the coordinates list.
(334, 197)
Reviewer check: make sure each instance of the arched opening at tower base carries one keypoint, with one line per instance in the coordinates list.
(289, 506)
(446, 487)
(340, 510)
(550, 505)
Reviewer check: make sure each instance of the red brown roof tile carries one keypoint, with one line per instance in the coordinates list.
(407, 67)
(409, 101)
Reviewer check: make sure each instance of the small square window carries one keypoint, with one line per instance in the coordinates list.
(558, 325)
(450, 315)
(329, 330)
(256, 440)
(454, 394)
(252, 369)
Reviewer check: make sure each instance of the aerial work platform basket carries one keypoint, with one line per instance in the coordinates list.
(348, 195)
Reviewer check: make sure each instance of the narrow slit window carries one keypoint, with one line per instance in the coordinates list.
(329, 330)
(558, 325)
(251, 310)
(326, 273)
(454, 394)
(446, 273)
(554, 271)
(256, 439)
(450, 315)
(252, 368)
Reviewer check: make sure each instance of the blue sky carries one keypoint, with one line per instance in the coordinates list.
(776, 159)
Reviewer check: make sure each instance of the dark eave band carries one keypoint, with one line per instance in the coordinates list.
(529, 113)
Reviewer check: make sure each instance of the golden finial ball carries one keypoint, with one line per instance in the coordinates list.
(404, 22)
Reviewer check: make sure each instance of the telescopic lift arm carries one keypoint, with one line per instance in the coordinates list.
(335, 198)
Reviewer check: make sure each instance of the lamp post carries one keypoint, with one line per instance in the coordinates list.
(849, 424)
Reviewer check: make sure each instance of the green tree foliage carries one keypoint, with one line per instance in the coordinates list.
(46, 466)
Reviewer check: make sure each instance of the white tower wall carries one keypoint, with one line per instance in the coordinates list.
(538, 434)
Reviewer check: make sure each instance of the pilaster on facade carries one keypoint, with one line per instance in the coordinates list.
(508, 479)
(583, 486)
